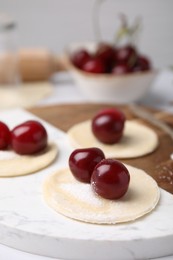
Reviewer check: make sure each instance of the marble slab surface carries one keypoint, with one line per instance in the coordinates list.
(28, 224)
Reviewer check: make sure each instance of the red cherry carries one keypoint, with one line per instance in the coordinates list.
(29, 137)
(94, 65)
(142, 64)
(106, 53)
(121, 69)
(126, 54)
(80, 57)
(108, 125)
(110, 179)
(83, 161)
(5, 137)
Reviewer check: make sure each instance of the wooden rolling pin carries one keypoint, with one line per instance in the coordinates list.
(39, 64)
(34, 65)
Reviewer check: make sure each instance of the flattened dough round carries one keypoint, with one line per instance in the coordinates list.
(76, 200)
(137, 140)
(26, 164)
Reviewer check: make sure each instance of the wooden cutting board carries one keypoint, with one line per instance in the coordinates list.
(156, 164)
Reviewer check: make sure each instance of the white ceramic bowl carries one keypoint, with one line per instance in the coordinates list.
(120, 89)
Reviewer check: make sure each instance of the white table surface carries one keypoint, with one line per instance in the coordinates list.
(160, 96)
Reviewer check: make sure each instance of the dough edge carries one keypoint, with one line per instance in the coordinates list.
(120, 150)
(28, 164)
(50, 193)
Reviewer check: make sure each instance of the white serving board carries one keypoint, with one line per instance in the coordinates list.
(28, 224)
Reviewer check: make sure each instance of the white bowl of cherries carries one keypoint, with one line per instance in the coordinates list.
(109, 74)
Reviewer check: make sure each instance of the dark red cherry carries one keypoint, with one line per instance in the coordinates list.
(83, 161)
(5, 137)
(121, 69)
(110, 179)
(142, 64)
(108, 125)
(80, 57)
(106, 52)
(29, 137)
(126, 54)
(94, 65)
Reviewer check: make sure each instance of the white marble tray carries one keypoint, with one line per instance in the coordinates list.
(28, 224)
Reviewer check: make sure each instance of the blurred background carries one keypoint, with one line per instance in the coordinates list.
(55, 23)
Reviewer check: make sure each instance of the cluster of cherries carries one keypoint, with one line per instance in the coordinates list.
(109, 59)
(29, 137)
(109, 178)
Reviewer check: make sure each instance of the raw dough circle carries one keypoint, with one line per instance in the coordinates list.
(26, 164)
(76, 200)
(137, 140)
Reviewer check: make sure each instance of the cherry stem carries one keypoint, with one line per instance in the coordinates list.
(125, 31)
(130, 32)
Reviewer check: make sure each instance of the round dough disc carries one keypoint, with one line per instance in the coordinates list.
(77, 200)
(137, 140)
(26, 164)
